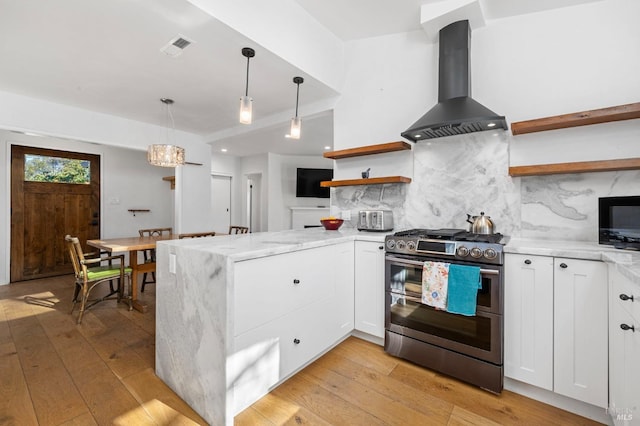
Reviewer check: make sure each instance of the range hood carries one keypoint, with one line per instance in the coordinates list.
(456, 112)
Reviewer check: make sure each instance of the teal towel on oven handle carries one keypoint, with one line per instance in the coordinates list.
(464, 282)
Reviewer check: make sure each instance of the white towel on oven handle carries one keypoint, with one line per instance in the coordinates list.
(435, 281)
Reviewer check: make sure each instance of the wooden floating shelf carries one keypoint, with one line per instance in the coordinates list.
(577, 167)
(368, 150)
(172, 180)
(584, 118)
(369, 181)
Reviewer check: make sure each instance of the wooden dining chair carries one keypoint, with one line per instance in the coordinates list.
(89, 272)
(233, 229)
(197, 235)
(150, 254)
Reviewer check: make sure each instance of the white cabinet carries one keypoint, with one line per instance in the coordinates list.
(288, 308)
(556, 325)
(624, 349)
(369, 287)
(528, 324)
(580, 361)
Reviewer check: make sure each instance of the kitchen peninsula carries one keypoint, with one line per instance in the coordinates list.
(237, 315)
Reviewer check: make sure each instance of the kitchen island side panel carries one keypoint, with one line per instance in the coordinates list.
(192, 328)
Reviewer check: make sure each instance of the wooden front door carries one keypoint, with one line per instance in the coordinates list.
(44, 208)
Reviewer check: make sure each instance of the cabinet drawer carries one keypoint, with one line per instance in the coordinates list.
(270, 287)
(266, 355)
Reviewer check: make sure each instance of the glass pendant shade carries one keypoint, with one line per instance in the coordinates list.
(246, 103)
(246, 109)
(296, 126)
(165, 155)
(296, 122)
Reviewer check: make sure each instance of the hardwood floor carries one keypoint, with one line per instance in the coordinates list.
(54, 372)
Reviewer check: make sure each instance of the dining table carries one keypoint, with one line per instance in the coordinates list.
(133, 245)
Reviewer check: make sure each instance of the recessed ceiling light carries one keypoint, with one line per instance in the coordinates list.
(223, 149)
(327, 147)
(491, 125)
(417, 136)
(288, 136)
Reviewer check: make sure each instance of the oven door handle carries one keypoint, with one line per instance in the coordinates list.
(412, 299)
(418, 263)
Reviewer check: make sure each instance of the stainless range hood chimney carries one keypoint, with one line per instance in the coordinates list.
(456, 112)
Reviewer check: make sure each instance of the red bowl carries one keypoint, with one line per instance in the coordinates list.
(331, 224)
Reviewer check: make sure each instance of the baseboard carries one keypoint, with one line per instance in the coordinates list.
(368, 337)
(574, 406)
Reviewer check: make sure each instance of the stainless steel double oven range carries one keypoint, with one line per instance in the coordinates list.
(469, 348)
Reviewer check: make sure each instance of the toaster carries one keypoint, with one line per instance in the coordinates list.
(375, 220)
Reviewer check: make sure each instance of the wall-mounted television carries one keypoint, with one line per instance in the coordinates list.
(308, 182)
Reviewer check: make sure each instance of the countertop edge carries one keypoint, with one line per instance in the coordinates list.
(627, 261)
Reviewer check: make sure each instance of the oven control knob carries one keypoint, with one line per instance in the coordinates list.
(400, 245)
(391, 244)
(490, 253)
(411, 245)
(462, 251)
(475, 252)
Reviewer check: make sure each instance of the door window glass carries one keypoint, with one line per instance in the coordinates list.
(39, 168)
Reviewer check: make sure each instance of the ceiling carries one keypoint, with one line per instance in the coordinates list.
(105, 56)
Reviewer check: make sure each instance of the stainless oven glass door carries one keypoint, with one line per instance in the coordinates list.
(479, 336)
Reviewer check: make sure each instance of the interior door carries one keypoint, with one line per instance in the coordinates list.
(221, 202)
(53, 193)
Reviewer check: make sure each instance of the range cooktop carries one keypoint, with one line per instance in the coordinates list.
(447, 243)
(450, 234)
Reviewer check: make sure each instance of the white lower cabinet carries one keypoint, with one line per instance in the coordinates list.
(556, 325)
(528, 319)
(580, 356)
(624, 349)
(369, 287)
(306, 302)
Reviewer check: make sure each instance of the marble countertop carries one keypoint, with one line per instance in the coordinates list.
(260, 244)
(628, 261)
(255, 245)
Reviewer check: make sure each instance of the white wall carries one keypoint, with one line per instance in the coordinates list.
(282, 188)
(558, 62)
(126, 177)
(525, 67)
(192, 186)
(531, 66)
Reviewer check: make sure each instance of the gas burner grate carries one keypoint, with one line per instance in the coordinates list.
(439, 234)
(450, 234)
(478, 238)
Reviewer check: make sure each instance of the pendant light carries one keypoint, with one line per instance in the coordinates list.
(296, 122)
(246, 103)
(166, 155)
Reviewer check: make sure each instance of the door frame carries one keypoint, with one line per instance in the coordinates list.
(44, 142)
(231, 198)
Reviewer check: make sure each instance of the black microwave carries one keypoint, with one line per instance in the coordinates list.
(619, 221)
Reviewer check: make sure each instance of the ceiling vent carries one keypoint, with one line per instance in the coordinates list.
(176, 46)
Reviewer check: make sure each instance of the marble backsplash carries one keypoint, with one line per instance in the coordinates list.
(468, 174)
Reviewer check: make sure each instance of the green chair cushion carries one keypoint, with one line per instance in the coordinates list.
(102, 272)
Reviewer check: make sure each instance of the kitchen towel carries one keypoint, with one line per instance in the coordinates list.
(464, 282)
(434, 284)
